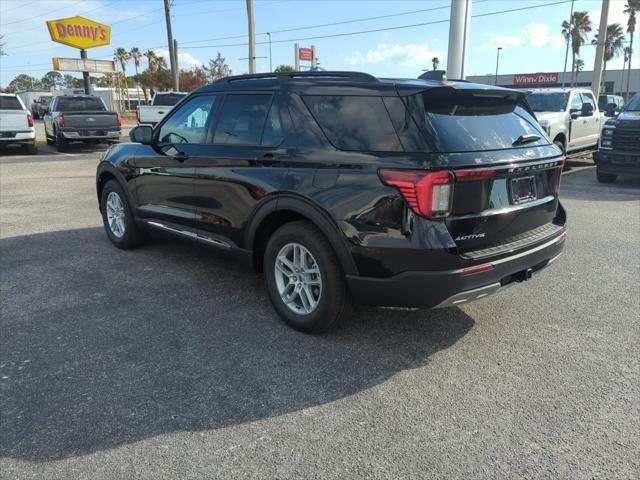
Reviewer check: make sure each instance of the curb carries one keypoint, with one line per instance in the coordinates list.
(578, 169)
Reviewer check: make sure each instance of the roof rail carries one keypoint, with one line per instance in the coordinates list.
(294, 75)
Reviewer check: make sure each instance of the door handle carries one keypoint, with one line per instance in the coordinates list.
(181, 156)
(267, 159)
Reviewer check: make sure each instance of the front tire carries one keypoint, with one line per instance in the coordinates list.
(117, 218)
(304, 279)
(605, 177)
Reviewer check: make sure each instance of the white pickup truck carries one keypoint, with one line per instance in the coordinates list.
(569, 116)
(16, 123)
(161, 104)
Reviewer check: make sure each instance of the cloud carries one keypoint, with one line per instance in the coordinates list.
(413, 55)
(535, 35)
(355, 59)
(186, 61)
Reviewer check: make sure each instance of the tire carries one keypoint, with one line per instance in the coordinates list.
(328, 288)
(132, 236)
(31, 148)
(560, 145)
(605, 177)
(50, 141)
(61, 143)
(594, 157)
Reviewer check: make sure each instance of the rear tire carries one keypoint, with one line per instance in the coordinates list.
(61, 143)
(122, 231)
(325, 283)
(605, 177)
(31, 148)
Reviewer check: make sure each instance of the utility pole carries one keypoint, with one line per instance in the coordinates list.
(270, 65)
(566, 52)
(459, 26)
(497, 63)
(172, 57)
(252, 38)
(176, 78)
(602, 41)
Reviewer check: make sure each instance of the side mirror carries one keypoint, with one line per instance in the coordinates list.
(587, 110)
(610, 110)
(141, 134)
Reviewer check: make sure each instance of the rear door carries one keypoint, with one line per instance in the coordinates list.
(243, 164)
(165, 170)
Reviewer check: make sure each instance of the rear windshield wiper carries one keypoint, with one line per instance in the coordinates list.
(522, 139)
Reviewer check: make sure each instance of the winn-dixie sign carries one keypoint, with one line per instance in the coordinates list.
(79, 32)
(529, 79)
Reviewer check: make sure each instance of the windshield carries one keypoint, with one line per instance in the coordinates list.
(548, 102)
(169, 99)
(633, 105)
(80, 104)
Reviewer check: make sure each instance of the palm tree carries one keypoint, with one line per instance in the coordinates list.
(578, 66)
(152, 60)
(632, 7)
(136, 55)
(576, 32)
(613, 44)
(122, 57)
(435, 61)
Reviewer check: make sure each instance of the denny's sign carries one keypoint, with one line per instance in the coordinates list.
(79, 32)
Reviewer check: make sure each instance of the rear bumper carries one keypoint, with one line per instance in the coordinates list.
(84, 135)
(452, 287)
(19, 137)
(619, 163)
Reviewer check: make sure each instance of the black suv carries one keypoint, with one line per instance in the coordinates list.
(344, 187)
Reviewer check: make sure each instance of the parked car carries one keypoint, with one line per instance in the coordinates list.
(343, 187)
(16, 123)
(620, 143)
(161, 104)
(30, 99)
(605, 100)
(569, 116)
(83, 118)
(40, 106)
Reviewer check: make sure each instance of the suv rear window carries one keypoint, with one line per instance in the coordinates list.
(79, 104)
(168, 99)
(466, 121)
(9, 103)
(355, 122)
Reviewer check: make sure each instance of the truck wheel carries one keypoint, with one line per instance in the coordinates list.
(61, 143)
(49, 140)
(560, 145)
(304, 280)
(31, 148)
(605, 177)
(117, 217)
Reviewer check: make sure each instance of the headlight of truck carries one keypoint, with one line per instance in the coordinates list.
(607, 132)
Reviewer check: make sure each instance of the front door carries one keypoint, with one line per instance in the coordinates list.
(165, 170)
(579, 130)
(592, 123)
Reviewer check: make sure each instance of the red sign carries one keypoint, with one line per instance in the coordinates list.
(534, 79)
(305, 54)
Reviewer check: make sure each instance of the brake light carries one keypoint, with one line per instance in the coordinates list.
(427, 193)
(473, 175)
(119, 120)
(29, 120)
(60, 121)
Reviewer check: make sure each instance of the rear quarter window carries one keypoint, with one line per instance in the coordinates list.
(354, 122)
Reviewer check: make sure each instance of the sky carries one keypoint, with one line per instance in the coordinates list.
(400, 44)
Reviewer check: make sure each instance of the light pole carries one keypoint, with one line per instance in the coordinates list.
(270, 65)
(497, 63)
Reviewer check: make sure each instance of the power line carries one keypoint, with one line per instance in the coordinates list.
(45, 14)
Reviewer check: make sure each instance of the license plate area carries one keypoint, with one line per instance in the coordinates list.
(522, 190)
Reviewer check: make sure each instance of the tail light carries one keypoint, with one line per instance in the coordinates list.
(138, 114)
(60, 121)
(119, 120)
(29, 120)
(427, 193)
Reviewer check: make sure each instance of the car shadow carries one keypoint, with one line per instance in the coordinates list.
(584, 185)
(102, 347)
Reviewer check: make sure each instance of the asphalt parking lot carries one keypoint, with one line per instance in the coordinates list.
(168, 361)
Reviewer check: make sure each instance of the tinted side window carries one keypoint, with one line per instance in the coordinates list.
(273, 133)
(188, 123)
(242, 119)
(355, 122)
(588, 98)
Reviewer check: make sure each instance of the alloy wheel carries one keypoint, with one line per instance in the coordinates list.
(115, 214)
(298, 278)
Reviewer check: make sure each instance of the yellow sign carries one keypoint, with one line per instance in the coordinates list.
(79, 32)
